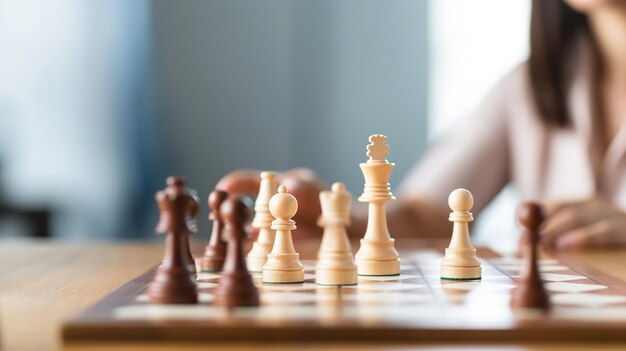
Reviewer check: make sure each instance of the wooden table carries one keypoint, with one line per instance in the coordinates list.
(43, 283)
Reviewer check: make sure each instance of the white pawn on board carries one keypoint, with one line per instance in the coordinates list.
(377, 254)
(460, 261)
(335, 263)
(263, 221)
(283, 263)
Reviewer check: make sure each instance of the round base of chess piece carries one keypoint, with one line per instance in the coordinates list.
(212, 264)
(236, 289)
(283, 268)
(256, 263)
(257, 257)
(460, 264)
(378, 267)
(336, 268)
(460, 273)
(172, 286)
(335, 277)
(282, 277)
(530, 295)
(377, 258)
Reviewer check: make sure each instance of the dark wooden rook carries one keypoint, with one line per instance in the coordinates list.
(236, 287)
(215, 252)
(530, 292)
(173, 281)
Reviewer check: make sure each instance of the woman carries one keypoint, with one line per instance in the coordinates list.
(553, 127)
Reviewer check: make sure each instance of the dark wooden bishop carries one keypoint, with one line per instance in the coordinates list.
(173, 282)
(530, 292)
(236, 287)
(215, 251)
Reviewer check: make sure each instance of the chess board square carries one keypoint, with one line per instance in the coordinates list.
(491, 286)
(406, 267)
(566, 287)
(387, 278)
(589, 300)
(295, 287)
(542, 268)
(555, 277)
(390, 298)
(288, 298)
(281, 312)
(384, 286)
(509, 260)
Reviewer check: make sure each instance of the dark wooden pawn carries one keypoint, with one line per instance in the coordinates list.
(530, 291)
(236, 287)
(173, 282)
(215, 251)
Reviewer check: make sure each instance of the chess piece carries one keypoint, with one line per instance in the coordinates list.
(460, 262)
(283, 263)
(377, 254)
(335, 264)
(530, 292)
(173, 282)
(235, 287)
(263, 221)
(215, 252)
(305, 186)
(192, 212)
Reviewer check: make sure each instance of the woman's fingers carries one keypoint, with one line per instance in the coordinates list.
(568, 217)
(605, 232)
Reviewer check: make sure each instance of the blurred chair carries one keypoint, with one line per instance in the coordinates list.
(36, 218)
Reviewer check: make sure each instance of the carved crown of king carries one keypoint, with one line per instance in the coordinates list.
(177, 207)
(377, 171)
(377, 150)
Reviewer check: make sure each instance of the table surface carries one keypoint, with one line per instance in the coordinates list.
(44, 283)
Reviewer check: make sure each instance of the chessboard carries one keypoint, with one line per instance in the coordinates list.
(416, 305)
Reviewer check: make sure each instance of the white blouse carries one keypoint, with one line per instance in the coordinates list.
(505, 141)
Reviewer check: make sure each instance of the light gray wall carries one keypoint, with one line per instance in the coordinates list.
(279, 84)
(358, 68)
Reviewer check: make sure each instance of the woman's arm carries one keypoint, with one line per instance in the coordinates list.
(473, 155)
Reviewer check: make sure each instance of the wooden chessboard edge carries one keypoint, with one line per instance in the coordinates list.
(593, 273)
(130, 331)
(95, 324)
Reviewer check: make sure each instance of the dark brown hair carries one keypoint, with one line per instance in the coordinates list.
(553, 28)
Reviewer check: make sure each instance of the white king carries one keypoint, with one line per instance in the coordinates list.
(377, 255)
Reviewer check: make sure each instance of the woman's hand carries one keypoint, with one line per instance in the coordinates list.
(583, 224)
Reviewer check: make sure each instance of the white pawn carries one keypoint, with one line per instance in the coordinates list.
(335, 265)
(283, 263)
(263, 221)
(460, 261)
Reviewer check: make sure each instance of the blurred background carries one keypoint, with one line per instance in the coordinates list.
(100, 100)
